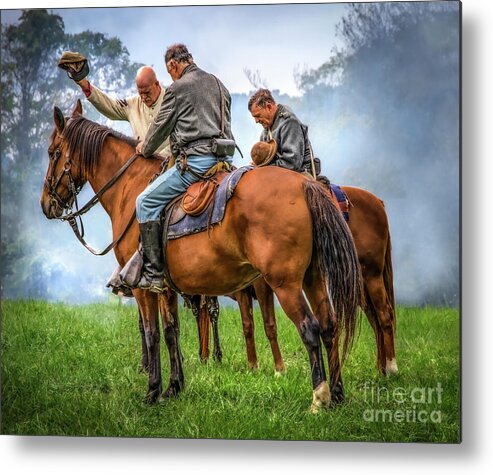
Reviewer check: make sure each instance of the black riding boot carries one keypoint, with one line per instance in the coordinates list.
(152, 248)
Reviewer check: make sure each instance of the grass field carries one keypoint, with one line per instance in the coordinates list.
(74, 370)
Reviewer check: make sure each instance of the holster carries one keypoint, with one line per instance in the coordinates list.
(222, 148)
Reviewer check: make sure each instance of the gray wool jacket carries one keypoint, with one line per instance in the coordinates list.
(190, 115)
(293, 145)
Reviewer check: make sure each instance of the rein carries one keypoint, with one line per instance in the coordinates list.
(72, 216)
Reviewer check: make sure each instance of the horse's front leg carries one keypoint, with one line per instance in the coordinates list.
(144, 364)
(244, 299)
(148, 310)
(201, 315)
(168, 306)
(265, 297)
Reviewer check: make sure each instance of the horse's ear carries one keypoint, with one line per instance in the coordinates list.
(59, 119)
(77, 109)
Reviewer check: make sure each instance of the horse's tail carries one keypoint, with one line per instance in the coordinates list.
(335, 254)
(388, 280)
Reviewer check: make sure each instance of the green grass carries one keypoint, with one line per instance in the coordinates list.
(74, 370)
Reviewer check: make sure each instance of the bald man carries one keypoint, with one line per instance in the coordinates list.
(140, 110)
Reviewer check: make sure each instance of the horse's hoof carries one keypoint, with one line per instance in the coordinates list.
(321, 397)
(391, 367)
(152, 397)
(337, 393)
(279, 372)
(172, 390)
(218, 357)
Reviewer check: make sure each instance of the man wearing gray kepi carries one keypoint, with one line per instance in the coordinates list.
(196, 115)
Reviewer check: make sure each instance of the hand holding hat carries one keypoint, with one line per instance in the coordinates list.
(75, 64)
(263, 153)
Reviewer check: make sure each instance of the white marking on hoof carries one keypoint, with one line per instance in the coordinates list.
(253, 367)
(279, 371)
(321, 397)
(391, 367)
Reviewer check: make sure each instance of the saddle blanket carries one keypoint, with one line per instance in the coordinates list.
(342, 200)
(213, 214)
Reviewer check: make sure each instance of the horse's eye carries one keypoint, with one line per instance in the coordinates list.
(55, 155)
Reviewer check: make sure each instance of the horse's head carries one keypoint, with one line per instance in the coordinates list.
(64, 177)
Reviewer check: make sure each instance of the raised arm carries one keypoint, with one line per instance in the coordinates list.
(114, 109)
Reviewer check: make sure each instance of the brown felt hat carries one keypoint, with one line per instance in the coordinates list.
(263, 152)
(75, 64)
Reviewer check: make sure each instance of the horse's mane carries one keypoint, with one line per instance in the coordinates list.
(85, 140)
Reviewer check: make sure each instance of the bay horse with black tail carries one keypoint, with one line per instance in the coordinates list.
(278, 225)
(370, 229)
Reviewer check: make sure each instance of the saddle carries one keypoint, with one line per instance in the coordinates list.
(177, 223)
(197, 198)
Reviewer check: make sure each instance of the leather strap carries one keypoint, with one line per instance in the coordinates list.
(71, 217)
(95, 199)
(79, 236)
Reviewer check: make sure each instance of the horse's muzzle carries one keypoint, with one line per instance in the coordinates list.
(50, 208)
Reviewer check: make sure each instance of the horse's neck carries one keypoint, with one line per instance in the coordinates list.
(120, 197)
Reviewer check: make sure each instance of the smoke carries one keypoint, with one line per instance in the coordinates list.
(392, 127)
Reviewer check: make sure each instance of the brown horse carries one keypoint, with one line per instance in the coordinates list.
(370, 229)
(278, 225)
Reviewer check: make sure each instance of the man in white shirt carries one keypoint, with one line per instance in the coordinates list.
(139, 110)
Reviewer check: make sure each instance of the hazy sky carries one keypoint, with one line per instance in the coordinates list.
(273, 39)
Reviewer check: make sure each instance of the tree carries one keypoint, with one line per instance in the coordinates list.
(31, 84)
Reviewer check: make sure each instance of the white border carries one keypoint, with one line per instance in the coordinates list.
(56, 455)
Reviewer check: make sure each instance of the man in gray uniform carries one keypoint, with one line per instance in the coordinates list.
(196, 109)
(294, 150)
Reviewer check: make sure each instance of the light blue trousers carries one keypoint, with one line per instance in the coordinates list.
(151, 202)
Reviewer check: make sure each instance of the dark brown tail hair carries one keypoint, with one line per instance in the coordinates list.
(336, 257)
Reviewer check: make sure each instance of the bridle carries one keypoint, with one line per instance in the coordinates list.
(70, 207)
(52, 182)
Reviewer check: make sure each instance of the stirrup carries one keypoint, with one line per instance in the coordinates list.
(151, 285)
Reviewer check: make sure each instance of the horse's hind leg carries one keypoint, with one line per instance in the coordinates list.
(372, 317)
(265, 297)
(316, 292)
(378, 295)
(296, 307)
(171, 328)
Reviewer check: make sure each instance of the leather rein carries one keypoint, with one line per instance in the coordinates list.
(72, 214)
